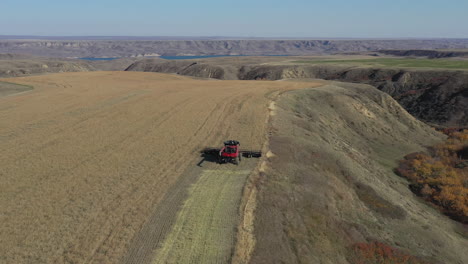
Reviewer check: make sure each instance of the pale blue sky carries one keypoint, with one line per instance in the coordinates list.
(261, 18)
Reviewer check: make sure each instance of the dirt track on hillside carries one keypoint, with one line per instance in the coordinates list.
(87, 157)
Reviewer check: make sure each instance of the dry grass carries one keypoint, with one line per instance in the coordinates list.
(86, 156)
(376, 203)
(329, 182)
(380, 253)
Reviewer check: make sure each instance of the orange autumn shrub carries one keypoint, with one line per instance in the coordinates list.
(441, 176)
(380, 253)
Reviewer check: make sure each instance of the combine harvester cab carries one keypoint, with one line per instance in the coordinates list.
(231, 152)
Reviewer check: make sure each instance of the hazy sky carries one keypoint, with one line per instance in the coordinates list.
(261, 18)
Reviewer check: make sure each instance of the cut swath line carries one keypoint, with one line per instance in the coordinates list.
(8, 89)
(204, 230)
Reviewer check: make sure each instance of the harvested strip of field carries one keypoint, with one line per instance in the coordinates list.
(12, 88)
(205, 227)
(85, 158)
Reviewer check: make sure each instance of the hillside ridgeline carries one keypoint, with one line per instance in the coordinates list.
(327, 192)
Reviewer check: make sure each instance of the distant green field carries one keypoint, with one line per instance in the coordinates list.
(401, 63)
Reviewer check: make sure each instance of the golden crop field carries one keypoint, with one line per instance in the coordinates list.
(86, 160)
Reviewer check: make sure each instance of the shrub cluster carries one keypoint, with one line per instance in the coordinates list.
(380, 253)
(441, 175)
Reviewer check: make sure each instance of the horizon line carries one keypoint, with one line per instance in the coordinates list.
(182, 37)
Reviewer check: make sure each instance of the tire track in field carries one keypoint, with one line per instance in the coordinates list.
(179, 162)
(148, 240)
(159, 224)
(218, 116)
(94, 185)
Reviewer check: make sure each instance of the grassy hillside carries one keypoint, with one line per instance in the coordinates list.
(327, 192)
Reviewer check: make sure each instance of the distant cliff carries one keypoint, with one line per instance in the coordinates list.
(129, 48)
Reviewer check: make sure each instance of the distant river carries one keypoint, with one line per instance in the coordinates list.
(197, 57)
(177, 57)
(98, 59)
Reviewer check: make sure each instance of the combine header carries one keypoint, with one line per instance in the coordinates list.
(230, 152)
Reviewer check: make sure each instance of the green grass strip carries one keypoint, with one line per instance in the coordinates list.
(7, 88)
(401, 63)
(204, 231)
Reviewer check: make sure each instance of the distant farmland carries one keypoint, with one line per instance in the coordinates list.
(396, 62)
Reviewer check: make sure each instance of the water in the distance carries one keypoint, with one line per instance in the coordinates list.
(98, 59)
(166, 57)
(211, 56)
(177, 57)
(196, 57)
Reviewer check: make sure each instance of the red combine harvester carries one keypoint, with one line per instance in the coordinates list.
(230, 152)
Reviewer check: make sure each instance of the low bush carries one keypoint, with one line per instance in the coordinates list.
(380, 253)
(441, 175)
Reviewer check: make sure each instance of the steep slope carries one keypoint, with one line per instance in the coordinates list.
(328, 182)
(434, 96)
(182, 67)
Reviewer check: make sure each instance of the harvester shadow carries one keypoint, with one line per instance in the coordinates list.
(208, 158)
